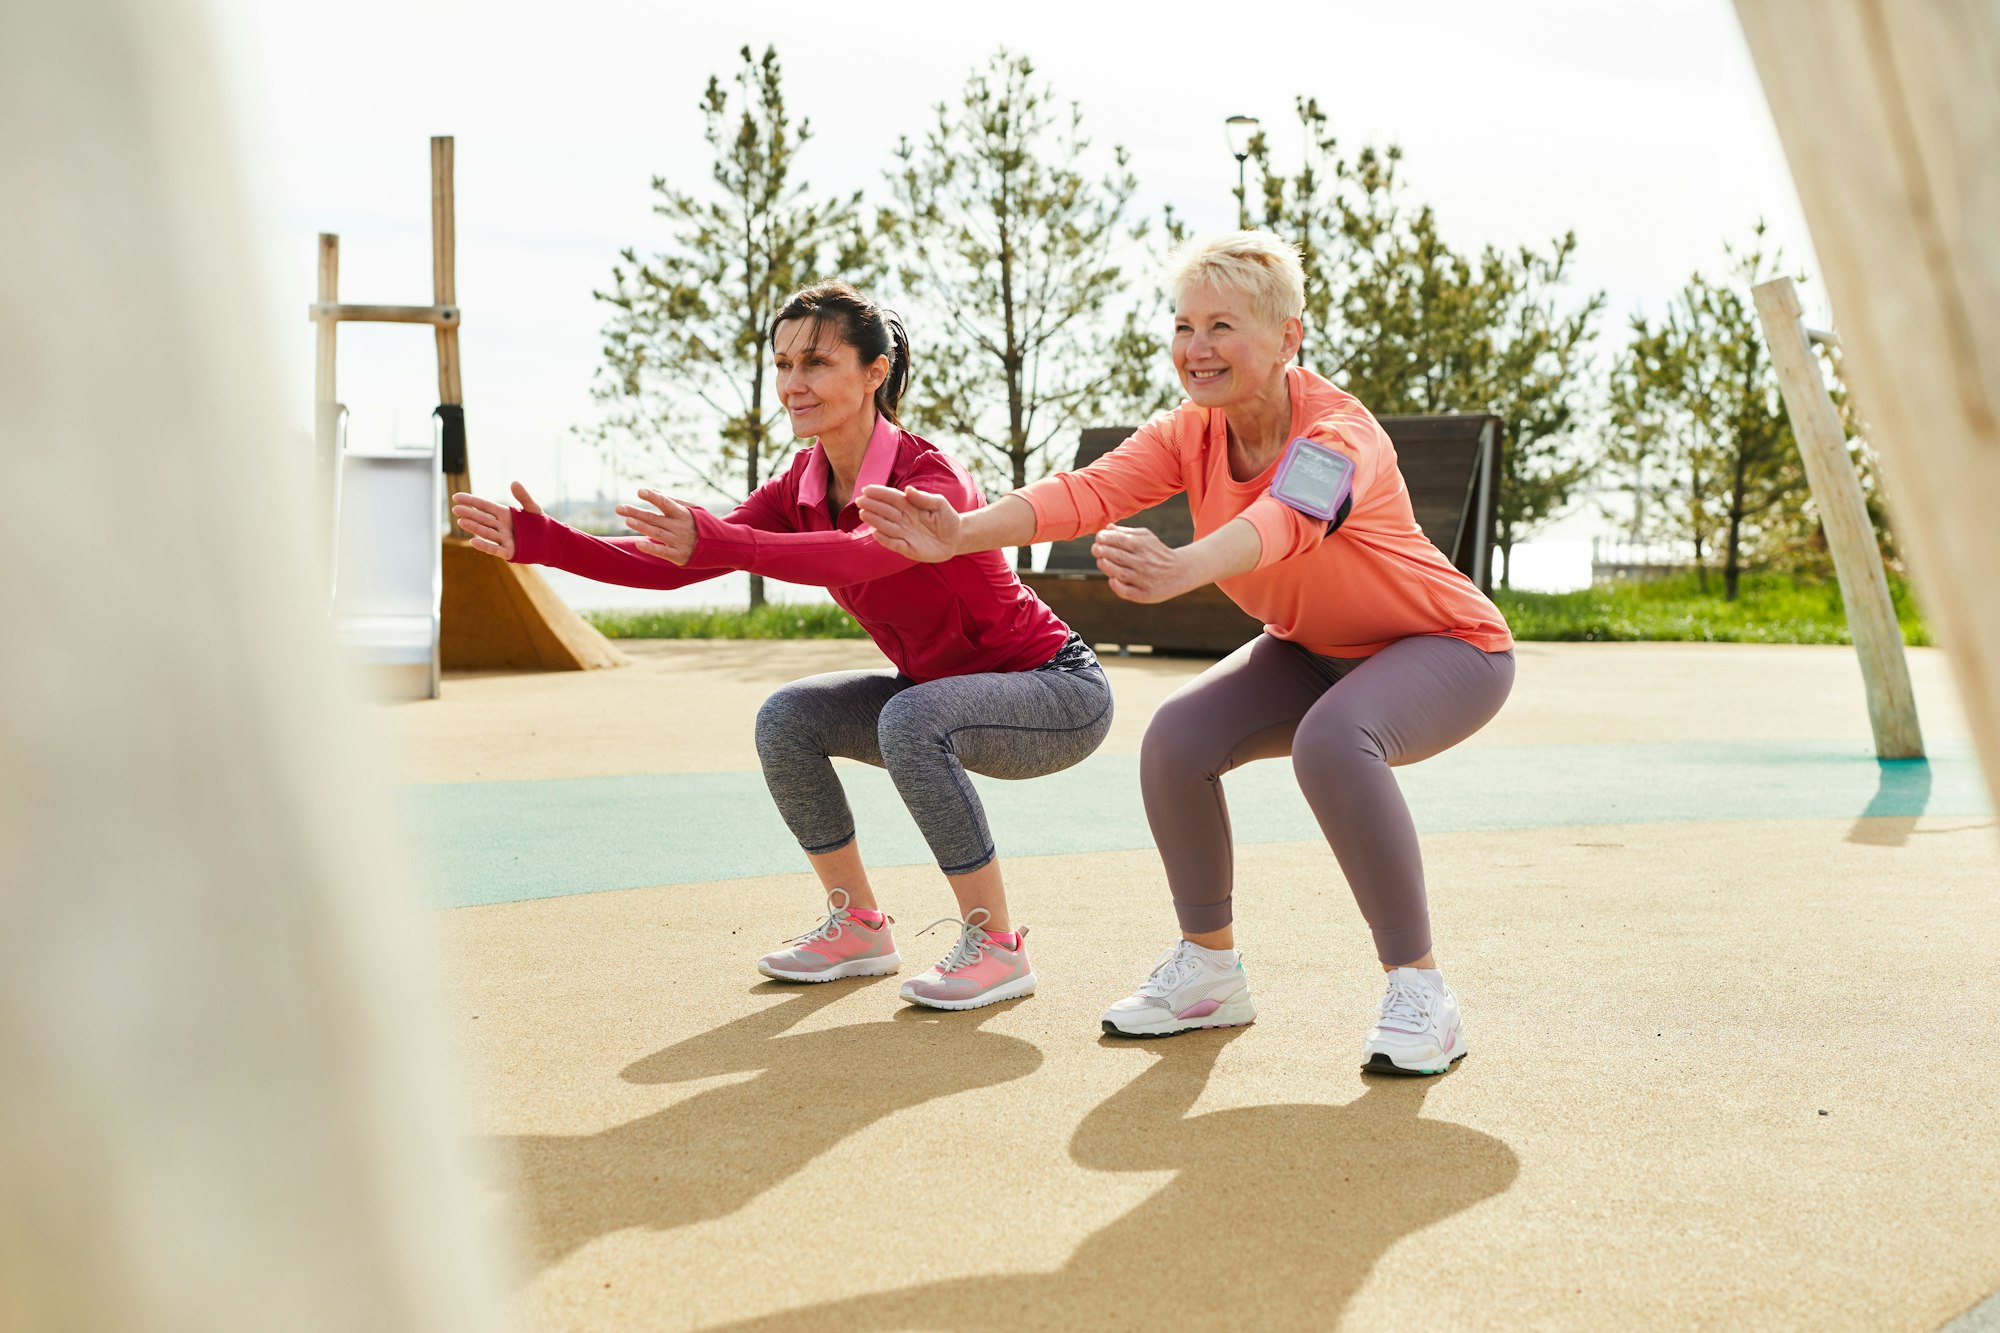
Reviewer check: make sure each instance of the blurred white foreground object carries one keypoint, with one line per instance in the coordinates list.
(225, 1100)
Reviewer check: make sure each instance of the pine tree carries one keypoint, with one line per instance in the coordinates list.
(684, 379)
(1696, 395)
(1007, 244)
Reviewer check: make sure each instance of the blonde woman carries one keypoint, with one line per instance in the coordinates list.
(1376, 651)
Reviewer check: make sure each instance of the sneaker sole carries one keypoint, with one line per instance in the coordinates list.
(1240, 1014)
(1381, 1062)
(1013, 990)
(856, 967)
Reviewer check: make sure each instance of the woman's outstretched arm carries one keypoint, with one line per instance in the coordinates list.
(921, 525)
(1142, 568)
(527, 536)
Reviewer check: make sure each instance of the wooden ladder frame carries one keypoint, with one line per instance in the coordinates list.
(496, 615)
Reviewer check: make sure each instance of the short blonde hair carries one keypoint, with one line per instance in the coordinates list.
(1258, 264)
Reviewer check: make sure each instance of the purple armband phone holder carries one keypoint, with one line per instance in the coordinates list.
(1314, 479)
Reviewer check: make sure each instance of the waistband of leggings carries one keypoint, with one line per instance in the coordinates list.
(1074, 655)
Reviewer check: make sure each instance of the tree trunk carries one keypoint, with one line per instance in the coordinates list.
(756, 591)
(1732, 564)
(1024, 556)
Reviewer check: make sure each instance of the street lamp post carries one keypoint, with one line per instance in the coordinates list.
(1242, 132)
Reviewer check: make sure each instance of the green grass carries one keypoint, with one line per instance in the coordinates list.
(821, 620)
(1769, 608)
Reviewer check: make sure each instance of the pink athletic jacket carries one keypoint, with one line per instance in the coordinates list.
(965, 615)
(1351, 593)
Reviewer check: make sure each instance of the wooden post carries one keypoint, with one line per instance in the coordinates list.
(326, 397)
(1890, 118)
(444, 293)
(228, 1099)
(1857, 561)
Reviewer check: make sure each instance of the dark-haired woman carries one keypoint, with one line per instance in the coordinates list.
(985, 677)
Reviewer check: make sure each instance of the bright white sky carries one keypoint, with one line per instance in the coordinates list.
(1638, 124)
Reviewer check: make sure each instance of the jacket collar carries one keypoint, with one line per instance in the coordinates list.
(875, 464)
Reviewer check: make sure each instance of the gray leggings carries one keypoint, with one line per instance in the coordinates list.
(1014, 724)
(1344, 722)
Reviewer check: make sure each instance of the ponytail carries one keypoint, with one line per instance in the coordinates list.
(889, 393)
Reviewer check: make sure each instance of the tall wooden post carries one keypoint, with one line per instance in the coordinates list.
(1890, 118)
(326, 396)
(444, 293)
(1843, 515)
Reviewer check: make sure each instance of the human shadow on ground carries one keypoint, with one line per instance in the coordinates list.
(711, 1154)
(1273, 1219)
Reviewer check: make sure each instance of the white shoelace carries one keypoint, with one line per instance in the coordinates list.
(970, 946)
(835, 924)
(1176, 967)
(1409, 1004)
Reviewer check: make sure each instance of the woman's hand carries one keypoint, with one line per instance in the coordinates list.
(1142, 568)
(666, 530)
(915, 524)
(490, 525)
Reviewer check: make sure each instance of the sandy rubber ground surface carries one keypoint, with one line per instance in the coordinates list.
(1659, 1014)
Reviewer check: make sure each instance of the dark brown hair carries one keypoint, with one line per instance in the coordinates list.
(871, 330)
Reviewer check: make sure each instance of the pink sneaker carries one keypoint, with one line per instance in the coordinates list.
(840, 946)
(979, 970)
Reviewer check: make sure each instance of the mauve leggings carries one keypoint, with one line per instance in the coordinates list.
(1344, 722)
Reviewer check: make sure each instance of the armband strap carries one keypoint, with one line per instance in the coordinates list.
(1346, 508)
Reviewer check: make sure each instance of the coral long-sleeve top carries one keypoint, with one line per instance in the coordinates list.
(965, 615)
(1350, 593)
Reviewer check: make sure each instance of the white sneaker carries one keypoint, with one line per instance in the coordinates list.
(1188, 989)
(1418, 1030)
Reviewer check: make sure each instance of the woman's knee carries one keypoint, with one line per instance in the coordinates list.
(1178, 743)
(785, 722)
(1332, 744)
(908, 730)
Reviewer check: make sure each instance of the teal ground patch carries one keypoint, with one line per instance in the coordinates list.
(495, 842)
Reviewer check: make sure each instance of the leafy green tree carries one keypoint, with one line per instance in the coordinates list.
(1008, 243)
(1696, 394)
(684, 380)
(1539, 385)
(1660, 447)
(1408, 325)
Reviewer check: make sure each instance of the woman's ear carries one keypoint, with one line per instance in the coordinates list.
(1295, 336)
(878, 373)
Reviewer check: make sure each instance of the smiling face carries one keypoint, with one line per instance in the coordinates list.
(824, 387)
(1224, 351)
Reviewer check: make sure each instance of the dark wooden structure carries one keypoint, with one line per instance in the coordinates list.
(1450, 463)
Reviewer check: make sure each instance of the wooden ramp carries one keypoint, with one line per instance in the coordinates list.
(504, 617)
(1450, 463)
